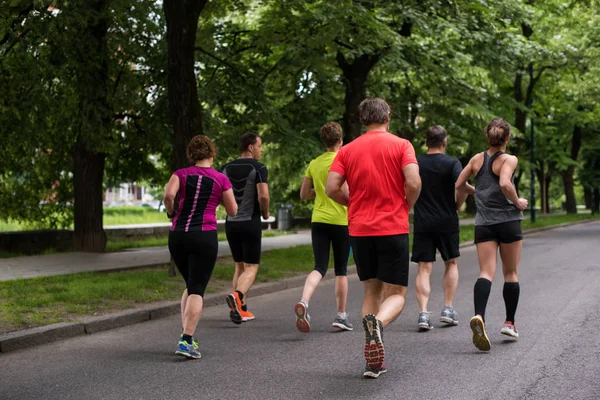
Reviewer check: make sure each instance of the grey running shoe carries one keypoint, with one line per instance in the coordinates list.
(480, 339)
(509, 329)
(302, 317)
(449, 316)
(342, 324)
(424, 322)
(374, 351)
(374, 373)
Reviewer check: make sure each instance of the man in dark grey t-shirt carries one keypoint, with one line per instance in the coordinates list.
(249, 179)
(436, 225)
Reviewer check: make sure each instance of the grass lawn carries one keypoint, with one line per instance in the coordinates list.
(72, 297)
(126, 243)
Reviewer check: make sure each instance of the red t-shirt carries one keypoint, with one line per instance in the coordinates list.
(372, 165)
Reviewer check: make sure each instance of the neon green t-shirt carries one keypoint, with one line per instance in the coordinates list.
(326, 210)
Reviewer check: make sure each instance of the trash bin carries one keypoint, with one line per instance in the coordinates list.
(284, 217)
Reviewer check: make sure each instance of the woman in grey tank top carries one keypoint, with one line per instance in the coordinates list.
(497, 226)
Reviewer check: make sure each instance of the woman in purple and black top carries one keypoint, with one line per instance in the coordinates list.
(193, 242)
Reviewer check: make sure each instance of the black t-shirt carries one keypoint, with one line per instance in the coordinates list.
(244, 174)
(435, 210)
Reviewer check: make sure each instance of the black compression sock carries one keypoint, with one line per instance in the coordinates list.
(244, 307)
(481, 294)
(240, 294)
(511, 292)
(187, 338)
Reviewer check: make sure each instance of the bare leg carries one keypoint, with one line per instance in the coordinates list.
(312, 280)
(510, 253)
(423, 285)
(191, 316)
(373, 296)
(184, 298)
(341, 292)
(393, 303)
(246, 279)
(450, 282)
(239, 270)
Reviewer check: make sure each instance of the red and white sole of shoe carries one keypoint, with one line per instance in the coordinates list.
(301, 321)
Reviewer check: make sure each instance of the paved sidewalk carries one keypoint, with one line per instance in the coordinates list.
(69, 263)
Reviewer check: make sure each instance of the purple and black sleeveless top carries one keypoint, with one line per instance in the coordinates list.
(200, 192)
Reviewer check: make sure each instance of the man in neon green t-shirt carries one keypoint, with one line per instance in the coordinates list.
(329, 229)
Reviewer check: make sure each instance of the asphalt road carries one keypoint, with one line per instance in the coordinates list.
(557, 356)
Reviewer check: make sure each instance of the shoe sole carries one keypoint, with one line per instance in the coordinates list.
(510, 334)
(480, 339)
(186, 355)
(246, 319)
(301, 321)
(374, 350)
(373, 374)
(234, 313)
(448, 321)
(342, 327)
(424, 327)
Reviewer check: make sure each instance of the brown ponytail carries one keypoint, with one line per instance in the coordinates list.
(497, 132)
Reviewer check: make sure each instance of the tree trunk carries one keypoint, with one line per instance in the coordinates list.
(184, 108)
(88, 174)
(596, 201)
(587, 195)
(569, 185)
(94, 126)
(355, 77)
(567, 175)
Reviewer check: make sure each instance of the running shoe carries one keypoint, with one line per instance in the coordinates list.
(480, 339)
(234, 310)
(374, 350)
(246, 316)
(374, 373)
(342, 324)
(194, 341)
(186, 349)
(302, 317)
(449, 316)
(509, 329)
(424, 322)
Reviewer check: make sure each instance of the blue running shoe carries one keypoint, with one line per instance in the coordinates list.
(186, 349)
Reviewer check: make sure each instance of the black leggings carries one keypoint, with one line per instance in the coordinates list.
(325, 236)
(195, 254)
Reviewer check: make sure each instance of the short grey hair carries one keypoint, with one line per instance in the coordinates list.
(374, 111)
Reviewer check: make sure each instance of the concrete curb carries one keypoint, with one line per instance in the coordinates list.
(46, 334)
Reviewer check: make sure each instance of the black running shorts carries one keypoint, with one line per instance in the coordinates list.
(326, 236)
(506, 232)
(194, 254)
(382, 257)
(425, 245)
(245, 239)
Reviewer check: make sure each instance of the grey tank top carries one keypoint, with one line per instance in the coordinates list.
(492, 205)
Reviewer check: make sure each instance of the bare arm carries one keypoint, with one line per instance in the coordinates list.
(506, 185)
(306, 190)
(462, 183)
(263, 198)
(412, 183)
(460, 198)
(333, 189)
(170, 193)
(228, 200)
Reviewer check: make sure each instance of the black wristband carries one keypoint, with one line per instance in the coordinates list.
(170, 215)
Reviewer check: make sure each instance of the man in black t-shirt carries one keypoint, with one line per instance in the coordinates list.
(436, 225)
(244, 231)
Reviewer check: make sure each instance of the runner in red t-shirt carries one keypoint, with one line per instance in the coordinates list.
(383, 177)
